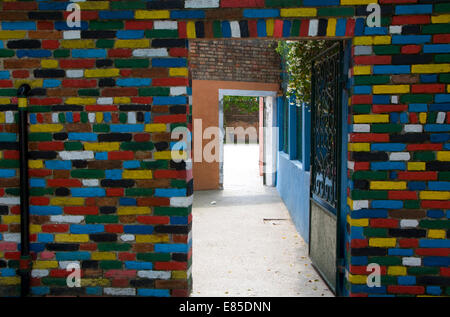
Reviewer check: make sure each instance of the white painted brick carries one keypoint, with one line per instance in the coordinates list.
(409, 223)
(394, 99)
(55, 118)
(66, 219)
(165, 25)
(440, 117)
(400, 156)
(75, 73)
(9, 200)
(150, 52)
(11, 237)
(71, 35)
(235, 29)
(90, 182)
(363, 50)
(351, 165)
(411, 261)
(395, 29)
(181, 201)
(63, 264)
(361, 128)
(9, 117)
(201, 3)
(39, 273)
(91, 117)
(360, 204)
(313, 27)
(177, 91)
(159, 275)
(105, 101)
(413, 128)
(76, 155)
(127, 237)
(120, 291)
(132, 117)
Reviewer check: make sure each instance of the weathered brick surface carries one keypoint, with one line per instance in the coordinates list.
(94, 92)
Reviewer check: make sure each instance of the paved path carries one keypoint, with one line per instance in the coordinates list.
(244, 241)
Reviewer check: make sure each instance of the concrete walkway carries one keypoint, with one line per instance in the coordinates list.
(244, 243)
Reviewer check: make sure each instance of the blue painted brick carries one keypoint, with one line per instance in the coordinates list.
(12, 26)
(125, 201)
(261, 13)
(434, 243)
(175, 220)
(320, 3)
(133, 82)
(341, 26)
(73, 256)
(440, 98)
(86, 229)
(153, 292)
(368, 290)
(435, 213)
(46, 210)
(389, 204)
(287, 28)
(401, 252)
(40, 290)
(101, 156)
(121, 128)
(414, 9)
(187, 14)
(116, 15)
(381, 99)
(428, 78)
(58, 165)
(4, 74)
(417, 185)
(37, 182)
(359, 260)
(94, 290)
(82, 136)
(418, 107)
(113, 174)
(88, 192)
(51, 83)
(439, 185)
(37, 247)
(389, 147)
(391, 69)
(362, 89)
(436, 48)
(7, 173)
(138, 229)
(130, 34)
(53, 6)
(437, 127)
(434, 290)
(135, 265)
(226, 29)
(62, 26)
(131, 164)
(436, 261)
(406, 280)
(369, 213)
(381, 166)
(440, 107)
(33, 53)
(260, 27)
(162, 101)
(8, 137)
(357, 233)
(170, 192)
(169, 62)
(169, 248)
(410, 39)
(376, 31)
(89, 53)
(45, 237)
(7, 272)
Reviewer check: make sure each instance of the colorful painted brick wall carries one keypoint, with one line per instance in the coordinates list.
(105, 192)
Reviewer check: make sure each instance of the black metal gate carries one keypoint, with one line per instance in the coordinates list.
(327, 69)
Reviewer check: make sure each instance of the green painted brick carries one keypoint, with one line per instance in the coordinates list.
(61, 53)
(40, 137)
(41, 191)
(336, 12)
(386, 260)
(444, 78)
(386, 49)
(88, 92)
(85, 173)
(110, 265)
(36, 109)
(368, 194)
(295, 28)
(375, 232)
(12, 191)
(372, 80)
(161, 33)
(172, 211)
(84, 117)
(132, 63)
(424, 156)
(9, 164)
(6, 53)
(154, 91)
(444, 176)
(417, 270)
(105, 25)
(388, 280)
(178, 183)
(114, 246)
(104, 43)
(123, 118)
(442, 58)
(416, 98)
(73, 146)
(217, 29)
(435, 224)
(386, 127)
(154, 257)
(412, 204)
(283, 3)
(442, 7)
(361, 109)
(122, 5)
(137, 146)
(61, 117)
(138, 192)
(102, 219)
(436, 28)
(8, 92)
(60, 281)
(431, 117)
(100, 128)
(375, 175)
(154, 164)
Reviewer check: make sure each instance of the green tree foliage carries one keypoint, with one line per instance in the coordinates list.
(245, 105)
(296, 57)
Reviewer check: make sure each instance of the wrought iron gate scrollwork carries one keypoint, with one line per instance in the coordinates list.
(325, 117)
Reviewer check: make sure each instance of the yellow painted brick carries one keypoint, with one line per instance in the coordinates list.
(110, 72)
(142, 43)
(102, 146)
(298, 12)
(423, 117)
(46, 127)
(448, 88)
(152, 14)
(10, 280)
(383, 242)
(10, 219)
(98, 256)
(190, 30)
(5, 101)
(9, 35)
(2, 117)
(77, 44)
(331, 28)
(396, 270)
(270, 26)
(178, 72)
(67, 201)
(363, 40)
(179, 275)
(443, 18)
(72, 238)
(371, 118)
(443, 156)
(151, 238)
(169, 155)
(155, 127)
(133, 210)
(118, 100)
(391, 89)
(95, 282)
(135, 174)
(80, 101)
(358, 222)
(357, 279)
(35, 164)
(362, 70)
(99, 117)
(434, 195)
(45, 264)
(37, 83)
(416, 166)
(359, 147)
(35, 228)
(382, 39)
(49, 63)
(436, 234)
(387, 185)
(94, 5)
(430, 68)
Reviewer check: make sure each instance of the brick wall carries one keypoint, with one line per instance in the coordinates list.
(234, 60)
(105, 192)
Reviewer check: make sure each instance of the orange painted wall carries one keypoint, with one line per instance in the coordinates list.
(205, 106)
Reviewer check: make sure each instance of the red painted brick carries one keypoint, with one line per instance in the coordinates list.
(400, 289)
(441, 38)
(410, 19)
(153, 220)
(120, 52)
(55, 228)
(170, 266)
(359, 243)
(40, 201)
(126, 256)
(114, 228)
(433, 252)
(138, 25)
(411, 49)
(372, 60)
(435, 204)
(402, 195)
(64, 183)
(175, 118)
(417, 175)
(81, 210)
(388, 108)
(242, 4)
(177, 81)
(369, 137)
(424, 147)
(384, 223)
(79, 83)
(51, 146)
(114, 192)
(361, 99)
(77, 63)
(124, 155)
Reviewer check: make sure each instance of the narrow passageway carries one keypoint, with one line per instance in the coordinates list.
(244, 241)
